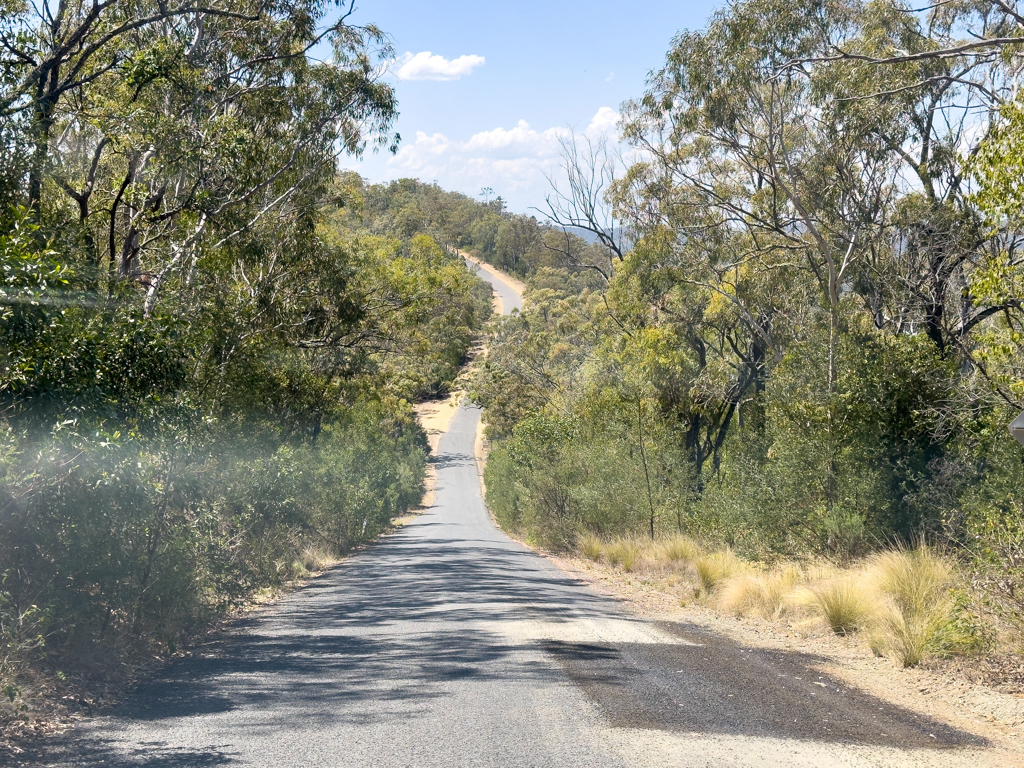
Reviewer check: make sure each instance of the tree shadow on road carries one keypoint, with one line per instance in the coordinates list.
(709, 684)
(385, 636)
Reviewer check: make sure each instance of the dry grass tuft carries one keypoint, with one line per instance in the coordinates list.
(842, 602)
(916, 607)
(316, 559)
(713, 569)
(679, 549)
(903, 599)
(760, 594)
(624, 552)
(591, 546)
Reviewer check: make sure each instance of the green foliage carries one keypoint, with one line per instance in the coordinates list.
(207, 360)
(816, 340)
(157, 471)
(28, 271)
(148, 535)
(556, 478)
(514, 243)
(999, 166)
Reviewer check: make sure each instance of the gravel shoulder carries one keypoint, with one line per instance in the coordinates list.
(995, 717)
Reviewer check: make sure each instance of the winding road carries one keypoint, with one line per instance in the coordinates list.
(448, 644)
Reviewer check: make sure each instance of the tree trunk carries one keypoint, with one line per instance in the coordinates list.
(643, 458)
(42, 119)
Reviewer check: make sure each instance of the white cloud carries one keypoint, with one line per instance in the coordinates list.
(603, 123)
(516, 162)
(428, 66)
(521, 139)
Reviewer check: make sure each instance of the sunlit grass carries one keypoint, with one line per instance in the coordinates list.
(623, 552)
(679, 549)
(899, 600)
(713, 569)
(591, 546)
(843, 602)
(315, 558)
(915, 606)
(760, 594)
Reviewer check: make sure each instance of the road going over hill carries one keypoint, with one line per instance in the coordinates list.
(448, 644)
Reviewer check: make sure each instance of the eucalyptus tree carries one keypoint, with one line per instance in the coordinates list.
(155, 130)
(981, 32)
(771, 154)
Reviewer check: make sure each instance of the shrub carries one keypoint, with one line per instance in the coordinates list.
(114, 550)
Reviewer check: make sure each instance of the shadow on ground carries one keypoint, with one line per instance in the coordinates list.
(714, 686)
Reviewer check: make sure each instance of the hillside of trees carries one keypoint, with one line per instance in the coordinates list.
(816, 342)
(518, 244)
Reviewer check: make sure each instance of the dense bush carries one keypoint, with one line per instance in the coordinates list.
(814, 343)
(600, 428)
(113, 534)
(160, 467)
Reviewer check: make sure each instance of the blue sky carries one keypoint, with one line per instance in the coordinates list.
(485, 87)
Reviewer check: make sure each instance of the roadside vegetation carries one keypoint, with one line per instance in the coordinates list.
(798, 338)
(208, 359)
(779, 367)
(904, 603)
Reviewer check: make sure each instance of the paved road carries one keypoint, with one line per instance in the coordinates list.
(447, 644)
(510, 297)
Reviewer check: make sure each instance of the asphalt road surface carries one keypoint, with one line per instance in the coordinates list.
(510, 297)
(448, 644)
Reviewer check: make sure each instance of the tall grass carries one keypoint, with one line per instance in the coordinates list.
(624, 552)
(843, 602)
(680, 549)
(901, 599)
(713, 569)
(591, 546)
(317, 558)
(760, 594)
(915, 606)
